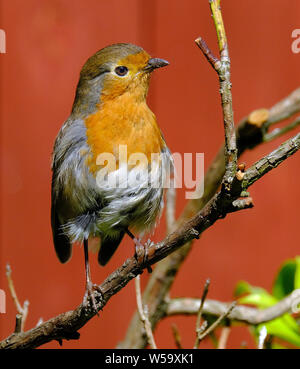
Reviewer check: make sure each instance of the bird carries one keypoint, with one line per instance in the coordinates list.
(110, 122)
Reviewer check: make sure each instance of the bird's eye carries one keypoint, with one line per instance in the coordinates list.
(121, 71)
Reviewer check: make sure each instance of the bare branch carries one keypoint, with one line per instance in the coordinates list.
(212, 59)
(284, 109)
(222, 67)
(200, 328)
(18, 326)
(22, 311)
(143, 311)
(12, 289)
(262, 337)
(223, 338)
(240, 204)
(277, 132)
(271, 161)
(176, 336)
(243, 314)
(212, 327)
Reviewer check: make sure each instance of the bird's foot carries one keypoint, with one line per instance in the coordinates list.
(89, 295)
(141, 252)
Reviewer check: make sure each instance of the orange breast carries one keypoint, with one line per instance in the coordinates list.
(122, 121)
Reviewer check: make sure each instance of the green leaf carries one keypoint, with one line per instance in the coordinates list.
(284, 282)
(285, 328)
(261, 299)
(287, 280)
(243, 287)
(297, 273)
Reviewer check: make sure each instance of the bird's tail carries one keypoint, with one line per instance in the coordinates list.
(62, 244)
(108, 247)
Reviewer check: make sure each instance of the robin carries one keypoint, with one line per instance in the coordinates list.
(109, 117)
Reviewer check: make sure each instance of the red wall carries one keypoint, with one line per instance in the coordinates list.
(47, 43)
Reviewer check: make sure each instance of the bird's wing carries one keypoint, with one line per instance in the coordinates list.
(62, 244)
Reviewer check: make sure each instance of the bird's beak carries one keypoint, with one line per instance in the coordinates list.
(155, 63)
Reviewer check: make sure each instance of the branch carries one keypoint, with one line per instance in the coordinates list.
(242, 314)
(201, 330)
(66, 325)
(143, 311)
(22, 310)
(271, 161)
(277, 132)
(223, 338)
(250, 133)
(163, 275)
(201, 327)
(176, 336)
(284, 109)
(212, 327)
(262, 337)
(222, 67)
(205, 212)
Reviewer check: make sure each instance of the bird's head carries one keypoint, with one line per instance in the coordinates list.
(113, 71)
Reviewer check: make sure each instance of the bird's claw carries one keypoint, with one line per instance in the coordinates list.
(141, 252)
(89, 296)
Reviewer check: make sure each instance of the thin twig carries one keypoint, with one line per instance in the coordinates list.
(217, 322)
(204, 294)
(22, 311)
(240, 204)
(277, 132)
(12, 290)
(39, 322)
(176, 336)
(223, 338)
(199, 327)
(284, 109)
(18, 326)
(25, 313)
(212, 59)
(262, 337)
(226, 96)
(143, 311)
(222, 67)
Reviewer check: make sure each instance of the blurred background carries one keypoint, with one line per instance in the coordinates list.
(47, 44)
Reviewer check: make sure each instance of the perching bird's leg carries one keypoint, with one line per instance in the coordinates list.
(141, 251)
(89, 286)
